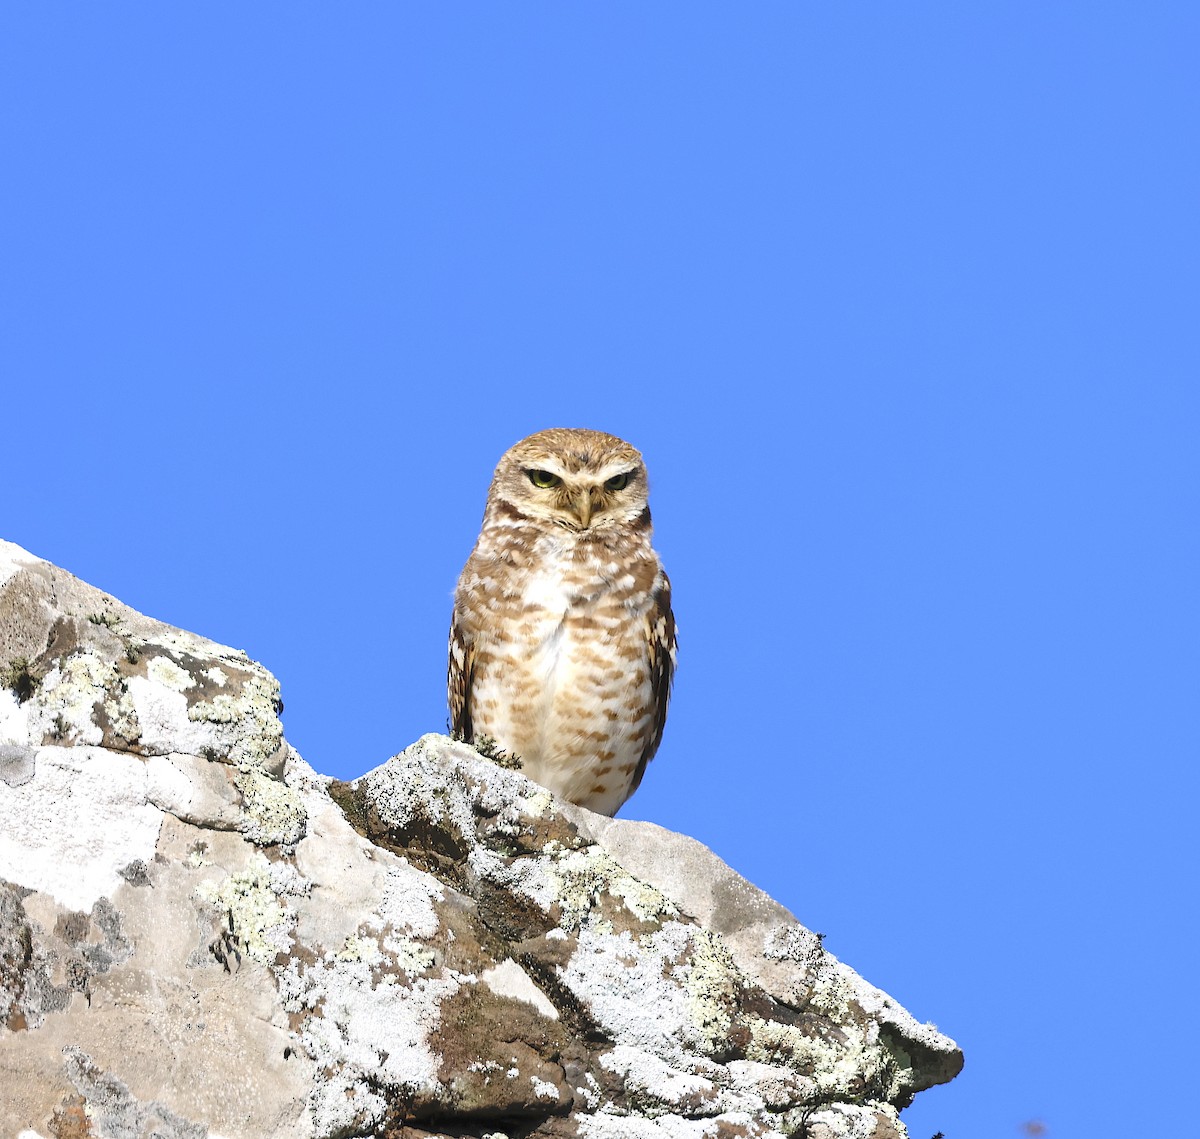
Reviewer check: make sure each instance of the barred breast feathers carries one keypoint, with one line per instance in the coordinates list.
(562, 640)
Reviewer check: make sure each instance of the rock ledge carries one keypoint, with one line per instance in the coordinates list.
(201, 936)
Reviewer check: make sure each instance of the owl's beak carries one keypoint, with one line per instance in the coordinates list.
(583, 506)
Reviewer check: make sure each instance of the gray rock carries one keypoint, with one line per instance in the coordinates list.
(17, 764)
(200, 935)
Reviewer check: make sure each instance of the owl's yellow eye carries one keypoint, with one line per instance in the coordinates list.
(543, 479)
(617, 482)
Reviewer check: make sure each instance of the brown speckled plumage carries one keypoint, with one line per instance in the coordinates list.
(562, 642)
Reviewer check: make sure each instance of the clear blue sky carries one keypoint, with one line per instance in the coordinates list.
(899, 301)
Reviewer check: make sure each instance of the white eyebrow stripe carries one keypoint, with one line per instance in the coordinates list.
(608, 471)
(577, 478)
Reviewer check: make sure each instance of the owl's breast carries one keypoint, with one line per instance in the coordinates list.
(565, 616)
(565, 682)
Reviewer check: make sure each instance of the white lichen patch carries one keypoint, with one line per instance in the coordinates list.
(526, 877)
(14, 719)
(342, 1103)
(850, 1121)
(794, 943)
(589, 1092)
(544, 1089)
(776, 1087)
(243, 725)
(286, 879)
(366, 1035)
(416, 779)
(603, 1126)
(827, 986)
(409, 898)
(259, 920)
(514, 815)
(273, 811)
(182, 643)
(217, 676)
(70, 829)
(163, 670)
(632, 991)
(657, 1086)
(162, 715)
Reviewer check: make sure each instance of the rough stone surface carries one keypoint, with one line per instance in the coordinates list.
(201, 936)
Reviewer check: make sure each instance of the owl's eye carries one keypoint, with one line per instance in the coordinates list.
(543, 479)
(617, 482)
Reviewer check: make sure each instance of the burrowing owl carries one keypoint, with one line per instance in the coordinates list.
(562, 643)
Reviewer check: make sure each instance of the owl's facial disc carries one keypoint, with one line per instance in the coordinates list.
(578, 500)
(579, 480)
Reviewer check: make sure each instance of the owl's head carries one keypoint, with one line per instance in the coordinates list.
(574, 478)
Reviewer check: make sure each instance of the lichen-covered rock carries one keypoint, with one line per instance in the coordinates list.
(199, 935)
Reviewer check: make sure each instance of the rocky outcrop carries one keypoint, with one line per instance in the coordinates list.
(200, 936)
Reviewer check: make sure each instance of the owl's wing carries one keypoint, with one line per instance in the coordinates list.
(660, 643)
(460, 676)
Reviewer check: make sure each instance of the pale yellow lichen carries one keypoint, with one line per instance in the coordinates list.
(836, 1067)
(580, 877)
(221, 709)
(257, 733)
(166, 672)
(365, 949)
(641, 898)
(274, 811)
(538, 804)
(257, 920)
(712, 981)
(68, 694)
(122, 716)
(412, 958)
